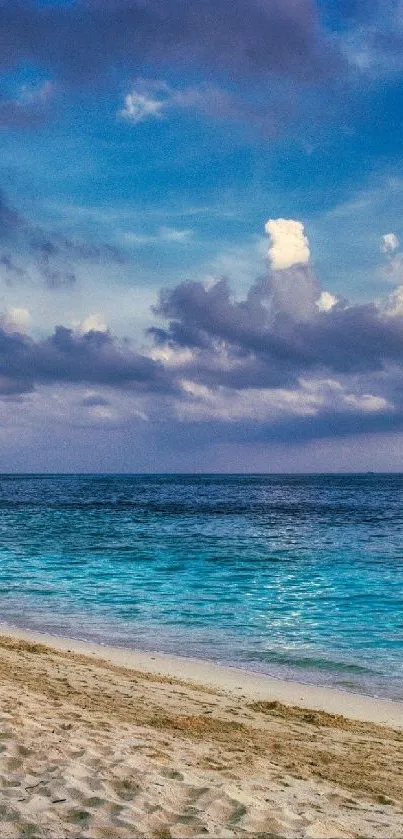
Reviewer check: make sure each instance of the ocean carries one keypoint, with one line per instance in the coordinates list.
(300, 577)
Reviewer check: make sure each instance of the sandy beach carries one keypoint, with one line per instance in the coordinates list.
(97, 742)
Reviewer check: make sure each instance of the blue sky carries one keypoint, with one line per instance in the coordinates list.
(150, 320)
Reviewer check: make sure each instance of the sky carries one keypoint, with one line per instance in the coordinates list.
(201, 236)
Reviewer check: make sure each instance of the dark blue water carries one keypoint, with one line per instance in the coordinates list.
(297, 576)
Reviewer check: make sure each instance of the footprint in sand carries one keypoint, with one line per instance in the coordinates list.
(126, 789)
(172, 774)
(79, 817)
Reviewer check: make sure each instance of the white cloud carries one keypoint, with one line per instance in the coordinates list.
(326, 301)
(170, 356)
(164, 234)
(16, 320)
(256, 404)
(394, 304)
(103, 413)
(152, 99)
(332, 394)
(289, 245)
(139, 107)
(389, 243)
(172, 234)
(367, 403)
(92, 323)
(262, 405)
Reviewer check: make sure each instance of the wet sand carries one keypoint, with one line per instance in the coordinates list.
(98, 742)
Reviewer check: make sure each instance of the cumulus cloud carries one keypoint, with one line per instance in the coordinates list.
(92, 323)
(389, 243)
(326, 301)
(243, 369)
(289, 245)
(71, 356)
(233, 360)
(240, 342)
(287, 358)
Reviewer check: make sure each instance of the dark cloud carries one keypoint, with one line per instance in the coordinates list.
(269, 367)
(238, 343)
(80, 40)
(56, 279)
(12, 271)
(315, 373)
(69, 357)
(94, 401)
(10, 219)
(291, 429)
(262, 344)
(53, 255)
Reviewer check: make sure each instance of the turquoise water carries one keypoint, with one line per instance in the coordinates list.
(297, 576)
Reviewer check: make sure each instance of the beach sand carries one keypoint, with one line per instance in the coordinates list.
(96, 742)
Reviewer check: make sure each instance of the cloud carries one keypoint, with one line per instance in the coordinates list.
(92, 323)
(326, 301)
(68, 356)
(165, 234)
(392, 270)
(240, 370)
(29, 108)
(139, 107)
(151, 99)
(172, 234)
(47, 253)
(373, 43)
(288, 360)
(268, 47)
(227, 359)
(307, 399)
(389, 243)
(10, 271)
(395, 302)
(289, 245)
(16, 320)
(244, 342)
(82, 40)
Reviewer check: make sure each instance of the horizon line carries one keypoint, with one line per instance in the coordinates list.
(197, 474)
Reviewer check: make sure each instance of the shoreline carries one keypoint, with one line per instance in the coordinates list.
(241, 683)
(99, 742)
